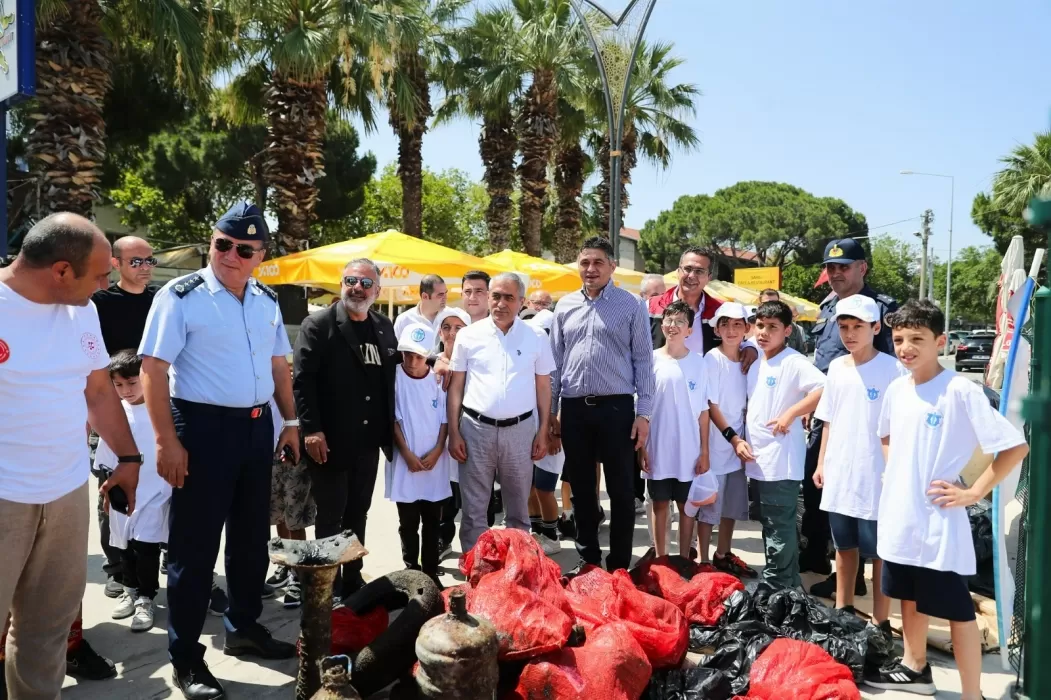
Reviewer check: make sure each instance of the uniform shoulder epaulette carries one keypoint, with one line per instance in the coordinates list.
(886, 299)
(188, 284)
(265, 290)
(830, 298)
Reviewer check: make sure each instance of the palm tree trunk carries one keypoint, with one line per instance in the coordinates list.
(569, 183)
(294, 160)
(410, 133)
(602, 189)
(538, 131)
(497, 145)
(67, 142)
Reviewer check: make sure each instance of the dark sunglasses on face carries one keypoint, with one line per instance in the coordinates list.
(366, 282)
(244, 250)
(139, 262)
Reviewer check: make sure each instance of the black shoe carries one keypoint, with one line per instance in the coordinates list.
(280, 577)
(84, 662)
(218, 603)
(197, 683)
(898, 676)
(445, 549)
(268, 591)
(164, 562)
(293, 595)
(827, 588)
(817, 563)
(601, 515)
(257, 641)
(575, 571)
(567, 526)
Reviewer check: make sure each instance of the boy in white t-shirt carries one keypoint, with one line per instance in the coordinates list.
(676, 453)
(138, 537)
(782, 388)
(449, 322)
(931, 424)
(543, 507)
(850, 462)
(727, 400)
(418, 478)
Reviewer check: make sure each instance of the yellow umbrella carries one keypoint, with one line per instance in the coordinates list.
(551, 277)
(805, 310)
(624, 278)
(723, 291)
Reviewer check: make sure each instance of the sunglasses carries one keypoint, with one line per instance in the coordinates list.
(366, 282)
(244, 250)
(139, 262)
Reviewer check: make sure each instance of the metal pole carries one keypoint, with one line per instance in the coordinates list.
(948, 264)
(3, 183)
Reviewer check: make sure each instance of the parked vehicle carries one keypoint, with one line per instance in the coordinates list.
(954, 340)
(975, 350)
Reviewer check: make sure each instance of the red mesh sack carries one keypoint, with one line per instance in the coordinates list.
(351, 633)
(790, 669)
(658, 626)
(610, 666)
(516, 556)
(700, 598)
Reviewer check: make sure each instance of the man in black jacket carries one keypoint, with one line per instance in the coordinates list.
(345, 357)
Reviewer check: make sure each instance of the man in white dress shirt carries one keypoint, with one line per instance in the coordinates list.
(501, 369)
(432, 300)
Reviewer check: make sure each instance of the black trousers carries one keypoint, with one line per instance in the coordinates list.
(342, 490)
(450, 507)
(141, 567)
(230, 458)
(113, 566)
(601, 433)
(815, 533)
(410, 517)
(640, 485)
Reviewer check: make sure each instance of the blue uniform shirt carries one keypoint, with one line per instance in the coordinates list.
(829, 346)
(220, 350)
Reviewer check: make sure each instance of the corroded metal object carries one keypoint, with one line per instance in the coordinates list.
(457, 654)
(335, 680)
(315, 563)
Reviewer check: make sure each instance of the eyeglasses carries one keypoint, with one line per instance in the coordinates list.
(139, 262)
(675, 323)
(698, 271)
(244, 250)
(351, 281)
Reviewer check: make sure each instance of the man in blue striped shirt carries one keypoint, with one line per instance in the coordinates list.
(603, 354)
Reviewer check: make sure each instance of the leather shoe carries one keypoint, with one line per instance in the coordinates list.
(197, 683)
(257, 641)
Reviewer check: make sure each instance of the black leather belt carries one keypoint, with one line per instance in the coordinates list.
(249, 412)
(496, 422)
(592, 400)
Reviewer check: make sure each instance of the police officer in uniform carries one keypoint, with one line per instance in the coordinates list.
(846, 268)
(213, 354)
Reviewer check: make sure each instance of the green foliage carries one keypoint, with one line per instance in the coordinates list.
(975, 273)
(662, 241)
(893, 270)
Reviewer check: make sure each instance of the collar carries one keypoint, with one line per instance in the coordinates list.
(215, 286)
(601, 295)
(490, 324)
(700, 303)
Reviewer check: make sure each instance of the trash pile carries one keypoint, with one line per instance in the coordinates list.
(624, 636)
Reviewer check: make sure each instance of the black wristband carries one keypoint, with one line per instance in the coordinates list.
(729, 434)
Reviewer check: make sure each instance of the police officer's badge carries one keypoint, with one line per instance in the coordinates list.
(251, 229)
(836, 252)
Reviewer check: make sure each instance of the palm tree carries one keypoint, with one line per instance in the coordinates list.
(77, 41)
(654, 123)
(1027, 173)
(572, 167)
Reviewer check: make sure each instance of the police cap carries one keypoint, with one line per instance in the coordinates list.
(244, 222)
(843, 252)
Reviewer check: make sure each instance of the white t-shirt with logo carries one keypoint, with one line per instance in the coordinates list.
(774, 386)
(728, 389)
(419, 408)
(681, 394)
(934, 429)
(47, 352)
(851, 405)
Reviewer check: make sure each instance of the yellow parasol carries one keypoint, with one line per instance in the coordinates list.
(624, 278)
(549, 276)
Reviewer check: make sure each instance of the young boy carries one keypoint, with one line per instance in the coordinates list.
(677, 449)
(139, 536)
(543, 507)
(850, 463)
(418, 479)
(930, 424)
(449, 321)
(727, 399)
(782, 388)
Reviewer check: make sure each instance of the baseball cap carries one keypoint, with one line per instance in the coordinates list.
(750, 310)
(859, 306)
(843, 252)
(451, 311)
(730, 309)
(417, 338)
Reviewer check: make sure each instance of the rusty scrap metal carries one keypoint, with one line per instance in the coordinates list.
(457, 654)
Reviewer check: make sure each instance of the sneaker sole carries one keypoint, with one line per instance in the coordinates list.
(78, 673)
(122, 617)
(142, 629)
(915, 688)
(292, 606)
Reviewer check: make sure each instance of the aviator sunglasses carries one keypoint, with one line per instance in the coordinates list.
(244, 250)
(366, 282)
(139, 262)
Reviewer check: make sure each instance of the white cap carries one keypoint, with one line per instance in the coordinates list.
(451, 311)
(543, 319)
(859, 306)
(730, 309)
(417, 338)
(751, 309)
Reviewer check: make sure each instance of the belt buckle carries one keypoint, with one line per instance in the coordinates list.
(589, 399)
(256, 412)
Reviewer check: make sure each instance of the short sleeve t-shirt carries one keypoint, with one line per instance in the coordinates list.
(681, 394)
(122, 316)
(378, 414)
(774, 386)
(419, 408)
(851, 406)
(47, 352)
(934, 428)
(728, 389)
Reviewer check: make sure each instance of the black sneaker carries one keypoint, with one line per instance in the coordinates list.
(827, 588)
(268, 591)
(601, 515)
(898, 676)
(218, 603)
(567, 526)
(280, 577)
(84, 662)
(256, 640)
(575, 571)
(445, 549)
(164, 562)
(735, 566)
(293, 595)
(196, 682)
(817, 563)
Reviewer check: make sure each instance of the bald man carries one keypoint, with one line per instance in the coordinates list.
(540, 300)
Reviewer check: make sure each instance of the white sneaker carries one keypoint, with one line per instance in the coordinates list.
(125, 605)
(640, 507)
(547, 544)
(143, 618)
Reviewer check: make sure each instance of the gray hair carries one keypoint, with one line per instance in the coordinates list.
(652, 277)
(510, 277)
(367, 263)
(61, 237)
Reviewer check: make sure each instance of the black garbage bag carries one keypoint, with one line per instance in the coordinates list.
(731, 649)
(688, 684)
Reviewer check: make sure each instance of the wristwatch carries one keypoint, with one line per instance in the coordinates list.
(130, 459)
(293, 423)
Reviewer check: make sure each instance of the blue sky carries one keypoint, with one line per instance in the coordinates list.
(837, 98)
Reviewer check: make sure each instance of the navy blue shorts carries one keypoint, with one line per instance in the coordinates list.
(941, 594)
(544, 480)
(853, 533)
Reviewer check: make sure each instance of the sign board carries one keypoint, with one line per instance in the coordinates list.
(17, 63)
(758, 278)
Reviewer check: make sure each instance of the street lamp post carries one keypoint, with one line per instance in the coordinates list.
(948, 264)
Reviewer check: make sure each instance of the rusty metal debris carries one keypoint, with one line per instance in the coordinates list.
(457, 654)
(335, 680)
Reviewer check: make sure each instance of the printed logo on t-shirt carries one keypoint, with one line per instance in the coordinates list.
(693, 385)
(417, 335)
(771, 381)
(91, 345)
(934, 419)
(873, 393)
(5, 352)
(370, 354)
(434, 403)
